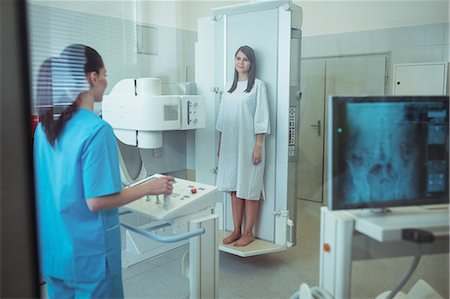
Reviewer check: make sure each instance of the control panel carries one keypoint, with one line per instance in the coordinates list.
(192, 112)
(187, 197)
(292, 131)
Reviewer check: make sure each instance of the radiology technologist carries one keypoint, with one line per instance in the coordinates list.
(78, 180)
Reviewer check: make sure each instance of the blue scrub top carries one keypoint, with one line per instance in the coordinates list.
(75, 243)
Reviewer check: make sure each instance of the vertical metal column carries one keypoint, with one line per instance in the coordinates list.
(336, 231)
(204, 258)
(294, 124)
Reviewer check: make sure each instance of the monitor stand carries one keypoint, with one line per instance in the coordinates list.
(388, 226)
(375, 212)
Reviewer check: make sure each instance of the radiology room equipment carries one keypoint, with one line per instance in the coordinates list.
(273, 30)
(187, 198)
(139, 115)
(388, 176)
(184, 214)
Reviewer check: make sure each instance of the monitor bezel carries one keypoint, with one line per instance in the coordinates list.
(332, 101)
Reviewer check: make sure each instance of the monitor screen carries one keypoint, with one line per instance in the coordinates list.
(386, 151)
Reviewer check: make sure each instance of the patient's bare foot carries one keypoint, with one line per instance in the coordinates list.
(244, 240)
(231, 238)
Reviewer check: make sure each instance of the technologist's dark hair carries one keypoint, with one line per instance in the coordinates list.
(248, 51)
(57, 75)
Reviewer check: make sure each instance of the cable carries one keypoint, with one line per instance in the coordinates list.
(417, 236)
(405, 277)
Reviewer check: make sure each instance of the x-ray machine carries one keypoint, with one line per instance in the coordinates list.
(273, 30)
(139, 114)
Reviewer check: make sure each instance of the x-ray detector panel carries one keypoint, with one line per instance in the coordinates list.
(273, 30)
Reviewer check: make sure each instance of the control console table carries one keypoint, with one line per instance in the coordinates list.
(186, 214)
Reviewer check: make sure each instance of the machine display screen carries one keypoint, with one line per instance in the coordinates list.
(388, 151)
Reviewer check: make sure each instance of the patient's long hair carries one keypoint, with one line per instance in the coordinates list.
(248, 51)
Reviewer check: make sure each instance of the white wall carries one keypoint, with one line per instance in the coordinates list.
(52, 28)
(328, 17)
(182, 14)
(320, 17)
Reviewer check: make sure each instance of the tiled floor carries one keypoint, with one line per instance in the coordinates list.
(278, 275)
(275, 275)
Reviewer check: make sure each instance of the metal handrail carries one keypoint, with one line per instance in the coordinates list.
(165, 239)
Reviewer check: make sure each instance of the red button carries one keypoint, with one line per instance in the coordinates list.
(194, 190)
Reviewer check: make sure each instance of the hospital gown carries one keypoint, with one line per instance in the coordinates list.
(241, 116)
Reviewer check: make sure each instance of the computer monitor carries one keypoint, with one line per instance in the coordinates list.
(386, 151)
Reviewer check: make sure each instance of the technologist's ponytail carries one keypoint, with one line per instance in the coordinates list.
(60, 81)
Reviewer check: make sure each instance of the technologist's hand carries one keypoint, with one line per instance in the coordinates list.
(162, 185)
(257, 155)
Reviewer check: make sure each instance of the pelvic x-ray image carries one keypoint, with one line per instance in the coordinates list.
(384, 152)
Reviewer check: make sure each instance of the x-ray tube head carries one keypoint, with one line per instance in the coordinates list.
(139, 114)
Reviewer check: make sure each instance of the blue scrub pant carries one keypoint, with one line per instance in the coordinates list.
(111, 287)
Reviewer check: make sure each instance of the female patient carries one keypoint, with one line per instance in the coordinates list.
(242, 122)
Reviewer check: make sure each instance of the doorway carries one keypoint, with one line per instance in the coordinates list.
(321, 77)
